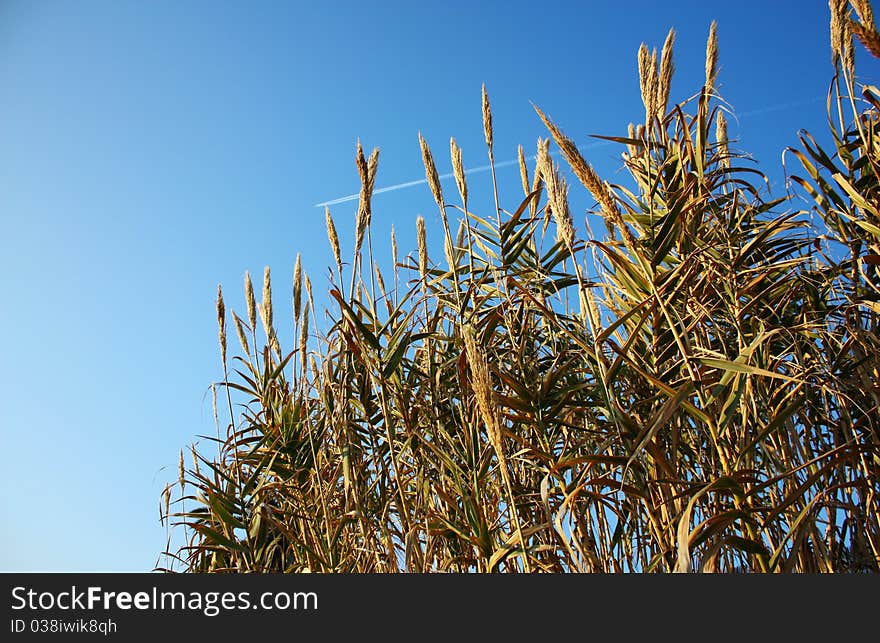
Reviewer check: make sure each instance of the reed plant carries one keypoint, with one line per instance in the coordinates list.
(697, 390)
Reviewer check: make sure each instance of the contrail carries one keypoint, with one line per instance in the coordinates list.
(486, 168)
(449, 175)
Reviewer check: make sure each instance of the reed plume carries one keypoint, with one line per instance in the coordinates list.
(712, 58)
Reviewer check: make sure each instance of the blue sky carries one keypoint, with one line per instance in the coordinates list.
(151, 150)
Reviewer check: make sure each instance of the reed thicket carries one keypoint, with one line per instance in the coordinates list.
(695, 391)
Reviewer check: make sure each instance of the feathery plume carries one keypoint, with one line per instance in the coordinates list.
(667, 68)
(448, 251)
(266, 305)
(393, 248)
(648, 80)
(251, 302)
(590, 180)
(167, 498)
(458, 169)
(334, 240)
(631, 148)
(543, 149)
(381, 282)
(721, 139)
(309, 292)
(557, 196)
(523, 170)
(482, 386)
(195, 458)
(181, 473)
(221, 323)
(865, 30)
(431, 172)
(487, 120)
(423, 246)
(712, 57)
(362, 219)
(303, 341)
(242, 338)
(297, 287)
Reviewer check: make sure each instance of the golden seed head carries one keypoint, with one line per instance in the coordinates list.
(557, 196)
(481, 383)
(221, 323)
(543, 150)
(712, 57)
(631, 148)
(167, 498)
(393, 248)
(181, 472)
(448, 251)
(600, 190)
(367, 172)
(304, 340)
(266, 304)
(195, 458)
(431, 172)
(864, 11)
(865, 29)
(644, 59)
(361, 218)
(297, 287)
(334, 239)
(721, 138)
(458, 169)
(423, 246)
(309, 292)
(593, 310)
(242, 338)
(380, 281)
(523, 170)
(838, 20)
(251, 301)
(667, 68)
(487, 119)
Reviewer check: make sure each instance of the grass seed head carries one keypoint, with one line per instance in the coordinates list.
(334, 240)
(242, 338)
(712, 57)
(297, 287)
(865, 29)
(221, 323)
(487, 120)
(181, 473)
(393, 248)
(458, 169)
(667, 68)
(523, 170)
(266, 304)
(251, 301)
(721, 138)
(431, 172)
(423, 246)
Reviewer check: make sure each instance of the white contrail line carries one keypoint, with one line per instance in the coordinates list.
(449, 175)
(486, 168)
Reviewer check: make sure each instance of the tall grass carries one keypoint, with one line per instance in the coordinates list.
(696, 391)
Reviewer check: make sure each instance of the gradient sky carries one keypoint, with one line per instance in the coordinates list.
(151, 150)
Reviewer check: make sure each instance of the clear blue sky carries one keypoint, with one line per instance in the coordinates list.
(151, 150)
